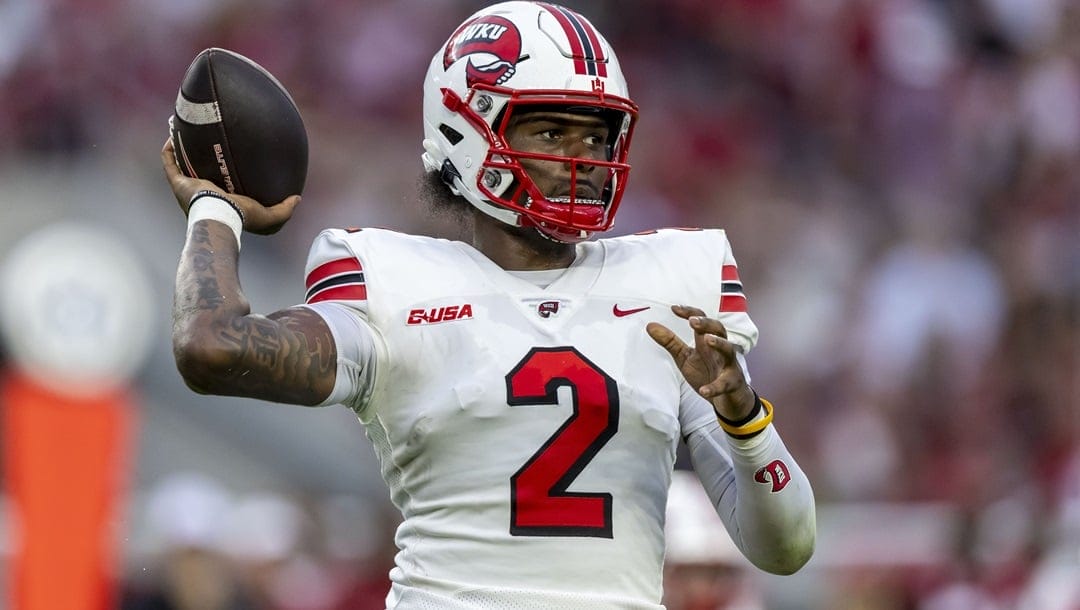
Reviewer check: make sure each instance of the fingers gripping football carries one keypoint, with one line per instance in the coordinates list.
(258, 218)
(710, 366)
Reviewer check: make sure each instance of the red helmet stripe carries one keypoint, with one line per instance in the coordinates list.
(571, 35)
(583, 41)
(597, 50)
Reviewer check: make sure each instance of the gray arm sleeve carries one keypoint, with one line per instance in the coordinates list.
(356, 354)
(759, 491)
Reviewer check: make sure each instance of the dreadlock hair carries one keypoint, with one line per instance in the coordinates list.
(439, 200)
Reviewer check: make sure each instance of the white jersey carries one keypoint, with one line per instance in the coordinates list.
(527, 435)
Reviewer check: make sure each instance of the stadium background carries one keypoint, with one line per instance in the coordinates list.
(898, 177)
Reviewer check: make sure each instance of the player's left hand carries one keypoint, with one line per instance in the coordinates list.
(710, 366)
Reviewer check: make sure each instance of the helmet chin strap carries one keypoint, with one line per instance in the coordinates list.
(569, 238)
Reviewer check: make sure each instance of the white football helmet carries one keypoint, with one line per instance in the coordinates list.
(508, 58)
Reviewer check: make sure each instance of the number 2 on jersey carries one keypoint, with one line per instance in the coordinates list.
(540, 504)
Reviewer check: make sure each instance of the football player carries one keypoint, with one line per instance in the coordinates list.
(525, 392)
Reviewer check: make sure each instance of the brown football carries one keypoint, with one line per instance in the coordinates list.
(237, 126)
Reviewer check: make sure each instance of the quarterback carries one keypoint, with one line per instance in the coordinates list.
(525, 392)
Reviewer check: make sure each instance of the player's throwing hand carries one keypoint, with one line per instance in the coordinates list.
(257, 218)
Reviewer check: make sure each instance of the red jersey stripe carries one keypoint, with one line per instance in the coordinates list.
(349, 292)
(730, 273)
(325, 270)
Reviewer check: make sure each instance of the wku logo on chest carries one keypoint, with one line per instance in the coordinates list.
(434, 315)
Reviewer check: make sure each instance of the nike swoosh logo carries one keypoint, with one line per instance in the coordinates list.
(625, 312)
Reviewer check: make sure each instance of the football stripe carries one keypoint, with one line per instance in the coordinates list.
(350, 292)
(731, 287)
(334, 267)
(197, 114)
(729, 273)
(337, 280)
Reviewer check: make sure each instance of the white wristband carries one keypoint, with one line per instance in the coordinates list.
(211, 207)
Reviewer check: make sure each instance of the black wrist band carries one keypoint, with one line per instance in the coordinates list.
(754, 412)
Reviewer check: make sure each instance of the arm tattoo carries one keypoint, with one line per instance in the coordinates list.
(210, 296)
(289, 356)
(203, 257)
(202, 262)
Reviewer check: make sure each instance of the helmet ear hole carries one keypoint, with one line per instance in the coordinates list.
(453, 135)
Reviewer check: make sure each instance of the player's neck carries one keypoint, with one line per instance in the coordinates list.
(518, 249)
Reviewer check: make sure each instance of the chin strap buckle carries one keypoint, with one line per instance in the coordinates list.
(449, 173)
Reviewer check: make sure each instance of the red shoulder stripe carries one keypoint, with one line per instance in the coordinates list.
(730, 303)
(350, 292)
(730, 273)
(325, 270)
(732, 297)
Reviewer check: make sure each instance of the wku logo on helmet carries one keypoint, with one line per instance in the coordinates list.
(492, 46)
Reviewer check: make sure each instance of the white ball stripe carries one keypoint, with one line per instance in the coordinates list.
(197, 114)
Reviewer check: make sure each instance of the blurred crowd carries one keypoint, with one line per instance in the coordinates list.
(900, 180)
